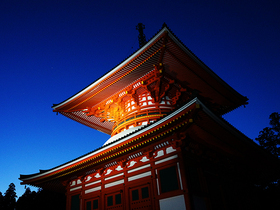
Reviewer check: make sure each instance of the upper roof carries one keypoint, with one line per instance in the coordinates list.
(178, 61)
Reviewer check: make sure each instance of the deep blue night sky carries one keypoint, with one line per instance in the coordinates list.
(50, 50)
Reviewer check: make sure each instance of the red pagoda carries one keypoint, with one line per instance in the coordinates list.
(169, 145)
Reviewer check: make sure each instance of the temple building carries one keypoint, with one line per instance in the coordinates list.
(169, 147)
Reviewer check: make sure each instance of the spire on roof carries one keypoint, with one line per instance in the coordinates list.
(164, 25)
(141, 37)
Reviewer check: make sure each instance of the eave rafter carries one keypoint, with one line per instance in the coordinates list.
(116, 101)
(157, 83)
(119, 78)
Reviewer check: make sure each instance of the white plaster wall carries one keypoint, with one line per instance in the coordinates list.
(177, 202)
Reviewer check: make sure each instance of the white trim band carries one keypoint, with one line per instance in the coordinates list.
(114, 183)
(148, 173)
(92, 183)
(93, 189)
(75, 188)
(111, 177)
(166, 159)
(139, 168)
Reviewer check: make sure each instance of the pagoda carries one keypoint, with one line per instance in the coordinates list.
(169, 146)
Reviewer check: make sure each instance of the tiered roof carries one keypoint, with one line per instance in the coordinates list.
(206, 98)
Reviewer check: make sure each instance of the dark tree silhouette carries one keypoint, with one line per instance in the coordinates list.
(1, 201)
(10, 198)
(42, 199)
(50, 200)
(27, 200)
(269, 137)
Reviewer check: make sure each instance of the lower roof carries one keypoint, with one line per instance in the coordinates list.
(207, 128)
(117, 141)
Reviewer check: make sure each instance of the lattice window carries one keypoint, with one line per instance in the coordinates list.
(114, 201)
(140, 197)
(75, 202)
(168, 179)
(92, 204)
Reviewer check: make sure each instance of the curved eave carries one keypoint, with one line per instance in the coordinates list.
(131, 138)
(215, 133)
(182, 64)
(242, 98)
(207, 128)
(57, 107)
(140, 53)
